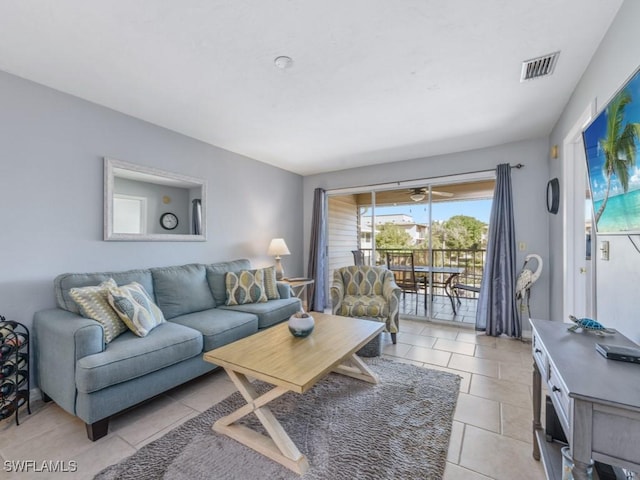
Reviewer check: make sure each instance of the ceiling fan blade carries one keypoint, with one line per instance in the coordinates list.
(441, 194)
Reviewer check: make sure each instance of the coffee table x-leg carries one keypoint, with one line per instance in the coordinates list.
(278, 446)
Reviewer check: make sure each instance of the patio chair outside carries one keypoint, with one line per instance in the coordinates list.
(401, 265)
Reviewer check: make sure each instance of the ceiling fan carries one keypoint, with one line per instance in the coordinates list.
(419, 194)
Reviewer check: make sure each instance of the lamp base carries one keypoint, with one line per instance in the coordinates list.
(279, 269)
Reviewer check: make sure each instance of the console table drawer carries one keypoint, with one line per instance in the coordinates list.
(540, 357)
(620, 437)
(560, 397)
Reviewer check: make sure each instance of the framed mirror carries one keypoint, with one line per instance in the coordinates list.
(148, 204)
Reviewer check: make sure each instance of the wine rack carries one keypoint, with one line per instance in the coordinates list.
(14, 368)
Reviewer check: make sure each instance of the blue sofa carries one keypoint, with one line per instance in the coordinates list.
(94, 380)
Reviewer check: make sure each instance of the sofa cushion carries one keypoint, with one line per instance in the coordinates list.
(129, 357)
(271, 312)
(135, 308)
(219, 327)
(65, 282)
(216, 273)
(93, 303)
(182, 289)
(244, 287)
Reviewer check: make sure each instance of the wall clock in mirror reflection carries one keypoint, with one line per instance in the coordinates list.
(168, 221)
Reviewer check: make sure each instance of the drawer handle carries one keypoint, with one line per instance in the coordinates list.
(537, 350)
(555, 389)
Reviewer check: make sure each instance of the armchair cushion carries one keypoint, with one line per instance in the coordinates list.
(364, 306)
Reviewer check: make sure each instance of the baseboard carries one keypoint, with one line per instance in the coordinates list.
(35, 394)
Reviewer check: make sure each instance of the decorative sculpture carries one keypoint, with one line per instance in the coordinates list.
(526, 279)
(588, 325)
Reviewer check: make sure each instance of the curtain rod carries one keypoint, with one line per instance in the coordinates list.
(517, 165)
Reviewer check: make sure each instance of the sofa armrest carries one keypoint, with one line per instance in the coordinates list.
(61, 338)
(284, 289)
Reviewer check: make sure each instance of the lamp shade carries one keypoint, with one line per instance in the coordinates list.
(278, 247)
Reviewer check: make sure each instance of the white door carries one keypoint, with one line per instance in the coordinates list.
(579, 256)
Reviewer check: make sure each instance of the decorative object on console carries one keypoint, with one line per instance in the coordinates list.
(301, 324)
(14, 370)
(278, 247)
(588, 325)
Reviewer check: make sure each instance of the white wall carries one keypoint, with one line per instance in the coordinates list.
(51, 196)
(617, 57)
(529, 189)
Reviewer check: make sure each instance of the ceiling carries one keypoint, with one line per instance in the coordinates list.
(440, 193)
(372, 81)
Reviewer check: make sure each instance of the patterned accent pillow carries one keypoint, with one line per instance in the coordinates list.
(245, 287)
(270, 283)
(93, 303)
(134, 306)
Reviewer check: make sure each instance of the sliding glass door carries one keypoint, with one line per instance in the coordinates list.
(442, 224)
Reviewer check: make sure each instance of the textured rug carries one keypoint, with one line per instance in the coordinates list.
(348, 429)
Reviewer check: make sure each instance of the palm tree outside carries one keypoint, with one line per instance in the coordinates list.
(618, 146)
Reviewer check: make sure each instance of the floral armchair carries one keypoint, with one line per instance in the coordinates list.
(370, 292)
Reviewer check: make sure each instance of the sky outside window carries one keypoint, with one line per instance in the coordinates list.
(441, 211)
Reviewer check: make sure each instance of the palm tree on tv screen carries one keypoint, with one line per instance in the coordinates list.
(619, 145)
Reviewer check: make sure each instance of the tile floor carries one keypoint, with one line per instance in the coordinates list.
(440, 309)
(491, 430)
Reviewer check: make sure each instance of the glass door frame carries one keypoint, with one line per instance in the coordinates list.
(427, 183)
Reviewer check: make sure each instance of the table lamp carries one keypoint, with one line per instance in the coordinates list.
(278, 247)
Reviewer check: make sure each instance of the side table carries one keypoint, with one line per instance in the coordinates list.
(300, 290)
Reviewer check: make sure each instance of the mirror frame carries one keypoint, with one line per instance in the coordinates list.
(110, 165)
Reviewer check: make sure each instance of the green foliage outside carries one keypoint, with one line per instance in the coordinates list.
(389, 235)
(460, 232)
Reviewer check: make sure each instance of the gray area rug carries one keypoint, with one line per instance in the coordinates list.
(348, 429)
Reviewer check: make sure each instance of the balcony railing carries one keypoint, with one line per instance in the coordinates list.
(471, 260)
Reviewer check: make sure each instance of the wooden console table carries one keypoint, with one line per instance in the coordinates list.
(597, 400)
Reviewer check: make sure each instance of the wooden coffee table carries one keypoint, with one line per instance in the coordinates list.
(292, 365)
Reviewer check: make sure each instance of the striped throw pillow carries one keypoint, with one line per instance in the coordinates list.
(93, 303)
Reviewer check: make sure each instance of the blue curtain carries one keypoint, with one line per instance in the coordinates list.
(196, 216)
(497, 310)
(317, 250)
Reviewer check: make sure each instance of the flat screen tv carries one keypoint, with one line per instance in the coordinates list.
(612, 144)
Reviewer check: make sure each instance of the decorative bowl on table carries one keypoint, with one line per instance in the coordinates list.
(301, 324)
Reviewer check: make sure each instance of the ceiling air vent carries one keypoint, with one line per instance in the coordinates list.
(539, 67)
